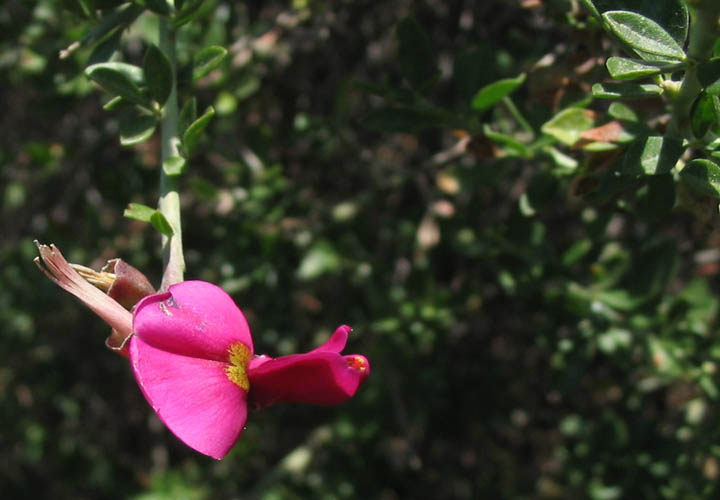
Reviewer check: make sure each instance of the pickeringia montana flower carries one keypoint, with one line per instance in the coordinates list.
(192, 355)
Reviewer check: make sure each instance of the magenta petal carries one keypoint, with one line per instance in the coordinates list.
(337, 341)
(193, 318)
(193, 397)
(318, 377)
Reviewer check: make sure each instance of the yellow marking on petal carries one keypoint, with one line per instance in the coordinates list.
(357, 362)
(239, 358)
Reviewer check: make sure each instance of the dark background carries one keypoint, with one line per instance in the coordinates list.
(565, 350)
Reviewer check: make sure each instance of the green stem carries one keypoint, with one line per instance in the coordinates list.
(510, 105)
(703, 33)
(169, 204)
(515, 112)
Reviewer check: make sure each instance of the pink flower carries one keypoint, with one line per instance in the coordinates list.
(192, 355)
(193, 358)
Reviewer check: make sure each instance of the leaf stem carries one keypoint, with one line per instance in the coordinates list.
(169, 203)
(515, 112)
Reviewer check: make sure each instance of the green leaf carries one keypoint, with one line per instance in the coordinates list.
(175, 165)
(117, 19)
(702, 176)
(643, 34)
(566, 164)
(591, 7)
(646, 278)
(625, 90)
(207, 60)
(652, 155)
(577, 251)
(188, 114)
(161, 224)
(192, 134)
(321, 258)
(129, 71)
(622, 300)
(188, 12)
(708, 73)
(568, 124)
(705, 114)
(492, 93)
(621, 112)
(709, 386)
(136, 130)
(105, 49)
(158, 74)
(402, 119)
(139, 212)
(672, 15)
(415, 53)
(623, 68)
(119, 79)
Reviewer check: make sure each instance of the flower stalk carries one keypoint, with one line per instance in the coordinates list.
(169, 203)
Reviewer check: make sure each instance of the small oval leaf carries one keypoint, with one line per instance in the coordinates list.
(652, 155)
(643, 34)
(175, 165)
(569, 124)
(188, 114)
(130, 71)
(207, 60)
(105, 49)
(623, 68)
(625, 90)
(161, 224)
(158, 74)
(136, 130)
(705, 114)
(118, 81)
(190, 9)
(492, 93)
(195, 129)
(709, 75)
(672, 15)
(702, 176)
(621, 112)
(143, 213)
(138, 211)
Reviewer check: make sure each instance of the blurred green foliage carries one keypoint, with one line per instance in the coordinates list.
(400, 167)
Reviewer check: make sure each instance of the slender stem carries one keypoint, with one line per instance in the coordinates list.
(515, 112)
(169, 204)
(703, 33)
